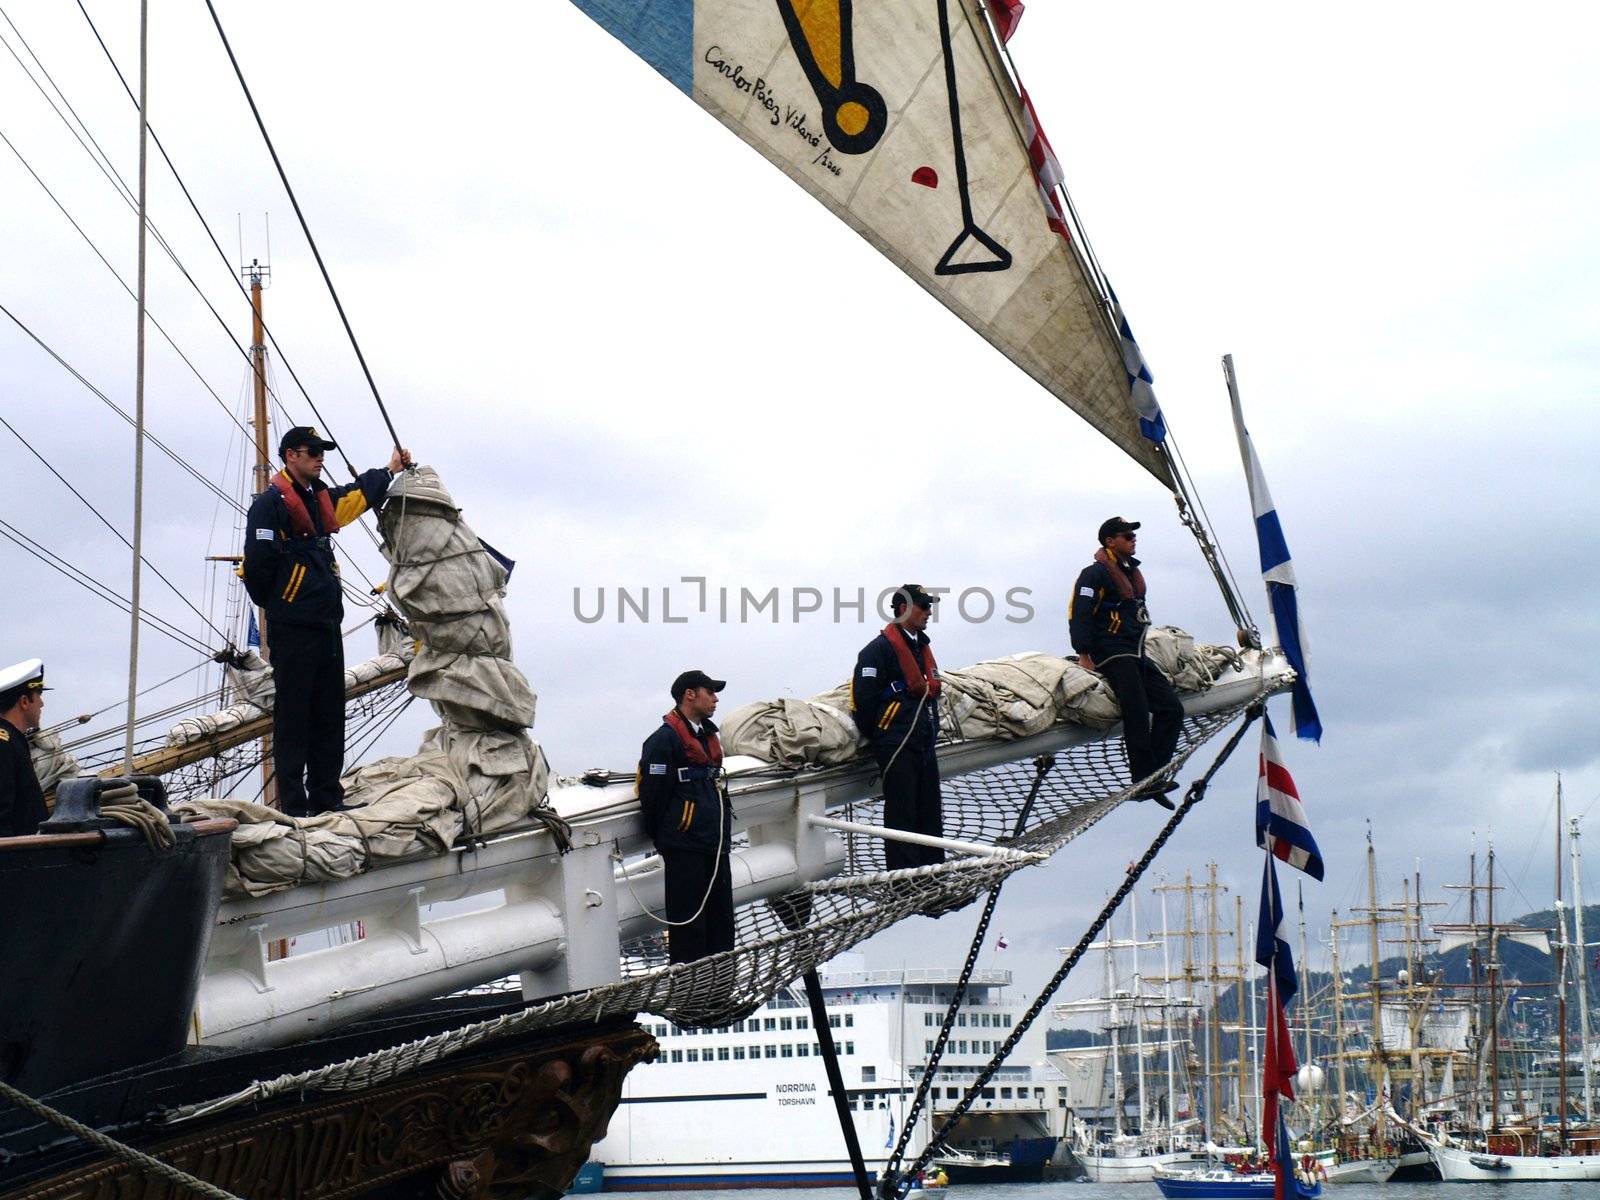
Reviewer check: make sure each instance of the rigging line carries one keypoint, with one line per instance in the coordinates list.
(153, 570)
(117, 181)
(90, 583)
(1200, 504)
(116, 408)
(98, 156)
(304, 227)
(85, 718)
(134, 295)
(204, 224)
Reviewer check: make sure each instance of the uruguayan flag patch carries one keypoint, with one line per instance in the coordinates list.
(658, 768)
(265, 535)
(869, 672)
(1086, 591)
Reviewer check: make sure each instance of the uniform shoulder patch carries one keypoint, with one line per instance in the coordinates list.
(266, 535)
(1086, 591)
(5, 735)
(655, 768)
(869, 672)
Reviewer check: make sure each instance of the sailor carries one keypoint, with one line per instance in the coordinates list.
(894, 698)
(291, 573)
(1108, 621)
(22, 690)
(688, 816)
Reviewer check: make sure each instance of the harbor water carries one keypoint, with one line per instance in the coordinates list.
(1147, 1191)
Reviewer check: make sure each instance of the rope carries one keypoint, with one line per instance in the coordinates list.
(145, 1163)
(301, 217)
(122, 802)
(890, 1186)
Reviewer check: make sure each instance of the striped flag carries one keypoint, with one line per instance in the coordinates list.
(1046, 169)
(1001, 944)
(1141, 383)
(1282, 829)
(1278, 572)
(1007, 15)
(1278, 1063)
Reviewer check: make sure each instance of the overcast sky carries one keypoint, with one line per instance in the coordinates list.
(615, 332)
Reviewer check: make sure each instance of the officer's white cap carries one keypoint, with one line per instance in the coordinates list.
(29, 670)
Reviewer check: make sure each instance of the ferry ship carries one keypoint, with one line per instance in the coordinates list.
(749, 1105)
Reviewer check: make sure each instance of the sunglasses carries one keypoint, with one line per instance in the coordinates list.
(308, 451)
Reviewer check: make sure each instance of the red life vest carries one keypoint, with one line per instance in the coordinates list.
(299, 517)
(707, 754)
(920, 676)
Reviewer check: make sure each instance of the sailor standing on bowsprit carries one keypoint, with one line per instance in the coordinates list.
(687, 814)
(1108, 621)
(894, 698)
(291, 573)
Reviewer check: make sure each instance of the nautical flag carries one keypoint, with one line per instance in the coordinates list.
(1278, 572)
(1007, 16)
(1278, 1064)
(1281, 826)
(1141, 384)
(1002, 943)
(252, 637)
(1046, 169)
(888, 1142)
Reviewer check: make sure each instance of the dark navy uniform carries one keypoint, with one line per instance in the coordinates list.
(291, 573)
(687, 814)
(902, 730)
(1111, 629)
(22, 807)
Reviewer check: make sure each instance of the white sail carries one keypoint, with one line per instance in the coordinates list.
(901, 118)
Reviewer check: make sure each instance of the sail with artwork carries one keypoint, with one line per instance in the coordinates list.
(904, 120)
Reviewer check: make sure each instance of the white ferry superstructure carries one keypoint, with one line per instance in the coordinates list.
(749, 1105)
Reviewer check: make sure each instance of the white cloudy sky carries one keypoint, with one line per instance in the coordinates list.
(617, 333)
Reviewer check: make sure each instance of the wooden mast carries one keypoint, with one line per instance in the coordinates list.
(258, 277)
(1377, 1063)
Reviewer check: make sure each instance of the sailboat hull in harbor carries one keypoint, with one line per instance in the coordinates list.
(1132, 1168)
(1477, 1166)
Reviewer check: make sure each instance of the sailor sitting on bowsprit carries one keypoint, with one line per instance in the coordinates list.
(291, 573)
(894, 698)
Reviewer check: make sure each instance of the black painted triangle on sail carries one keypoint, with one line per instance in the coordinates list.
(973, 240)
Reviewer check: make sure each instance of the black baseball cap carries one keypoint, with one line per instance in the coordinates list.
(305, 436)
(917, 594)
(695, 679)
(1115, 526)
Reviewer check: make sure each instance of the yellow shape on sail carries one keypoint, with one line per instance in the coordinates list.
(822, 22)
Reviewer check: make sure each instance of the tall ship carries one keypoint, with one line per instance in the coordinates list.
(200, 991)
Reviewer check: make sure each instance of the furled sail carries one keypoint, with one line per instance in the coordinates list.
(899, 115)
